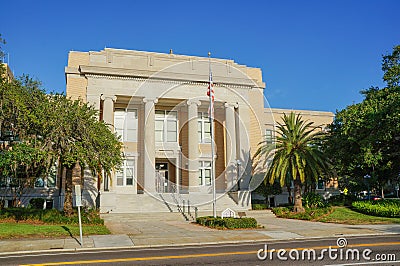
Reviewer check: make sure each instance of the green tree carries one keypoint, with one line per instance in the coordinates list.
(21, 160)
(77, 139)
(51, 128)
(296, 155)
(365, 137)
(391, 68)
(2, 54)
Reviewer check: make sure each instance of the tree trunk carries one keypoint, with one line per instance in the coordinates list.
(68, 192)
(73, 176)
(298, 203)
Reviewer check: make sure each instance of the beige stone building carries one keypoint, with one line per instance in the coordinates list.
(8, 73)
(320, 121)
(158, 105)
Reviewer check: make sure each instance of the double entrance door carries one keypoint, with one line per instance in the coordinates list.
(162, 180)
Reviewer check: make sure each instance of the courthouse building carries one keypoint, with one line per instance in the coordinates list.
(158, 105)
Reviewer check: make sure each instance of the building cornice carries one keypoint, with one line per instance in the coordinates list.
(304, 112)
(166, 76)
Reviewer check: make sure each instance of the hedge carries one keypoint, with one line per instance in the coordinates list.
(382, 208)
(51, 216)
(342, 200)
(309, 214)
(227, 223)
(259, 206)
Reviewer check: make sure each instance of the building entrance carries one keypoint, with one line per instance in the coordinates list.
(162, 180)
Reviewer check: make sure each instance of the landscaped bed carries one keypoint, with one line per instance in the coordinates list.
(25, 222)
(310, 214)
(343, 215)
(381, 208)
(227, 223)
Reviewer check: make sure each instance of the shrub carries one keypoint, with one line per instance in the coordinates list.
(37, 203)
(313, 200)
(259, 206)
(52, 216)
(309, 214)
(342, 200)
(281, 211)
(227, 223)
(382, 208)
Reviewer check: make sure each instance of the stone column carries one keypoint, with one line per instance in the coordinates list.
(149, 145)
(243, 147)
(230, 128)
(108, 116)
(193, 145)
(108, 109)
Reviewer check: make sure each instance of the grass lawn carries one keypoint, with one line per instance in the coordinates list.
(345, 215)
(26, 230)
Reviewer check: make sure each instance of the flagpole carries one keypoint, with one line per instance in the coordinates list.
(211, 117)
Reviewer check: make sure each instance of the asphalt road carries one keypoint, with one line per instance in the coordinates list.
(366, 250)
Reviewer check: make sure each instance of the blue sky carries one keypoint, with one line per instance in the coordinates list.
(314, 55)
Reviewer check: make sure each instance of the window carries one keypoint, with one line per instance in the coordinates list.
(50, 180)
(204, 128)
(166, 125)
(39, 182)
(106, 181)
(52, 176)
(125, 124)
(205, 173)
(3, 181)
(126, 174)
(321, 184)
(269, 136)
(6, 181)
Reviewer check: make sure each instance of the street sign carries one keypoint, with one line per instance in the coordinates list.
(78, 203)
(78, 196)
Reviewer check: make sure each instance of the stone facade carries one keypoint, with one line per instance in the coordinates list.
(157, 103)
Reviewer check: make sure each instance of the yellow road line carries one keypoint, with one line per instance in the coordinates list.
(376, 244)
(199, 255)
(148, 258)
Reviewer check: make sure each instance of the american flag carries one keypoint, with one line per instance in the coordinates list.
(210, 93)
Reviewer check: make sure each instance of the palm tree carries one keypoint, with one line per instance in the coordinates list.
(295, 154)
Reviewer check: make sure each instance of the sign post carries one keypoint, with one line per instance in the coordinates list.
(78, 203)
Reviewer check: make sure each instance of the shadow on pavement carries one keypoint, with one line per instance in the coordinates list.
(70, 233)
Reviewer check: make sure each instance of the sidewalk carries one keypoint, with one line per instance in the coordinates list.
(167, 229)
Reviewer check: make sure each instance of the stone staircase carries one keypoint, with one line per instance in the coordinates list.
(185, 204)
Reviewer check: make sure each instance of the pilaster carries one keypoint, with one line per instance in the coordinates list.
(149, 144)
(193, 144)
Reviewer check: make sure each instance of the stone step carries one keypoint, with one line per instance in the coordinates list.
(167, 202)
